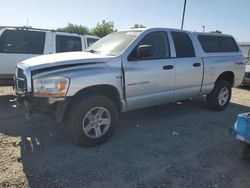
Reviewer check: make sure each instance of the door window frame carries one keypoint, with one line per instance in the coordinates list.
(168, 47)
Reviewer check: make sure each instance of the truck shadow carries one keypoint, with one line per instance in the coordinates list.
(143, 142)
(245, 87)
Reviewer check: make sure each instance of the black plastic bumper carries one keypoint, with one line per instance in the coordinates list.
(33, 105)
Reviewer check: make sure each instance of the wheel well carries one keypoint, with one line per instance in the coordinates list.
(228, 76)
(106, 90)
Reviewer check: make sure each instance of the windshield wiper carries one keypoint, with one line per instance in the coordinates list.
(92, 51)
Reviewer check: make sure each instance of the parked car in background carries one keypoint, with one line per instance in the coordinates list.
(245, 49)
(128, 70)
(246, 80)
(20, 43)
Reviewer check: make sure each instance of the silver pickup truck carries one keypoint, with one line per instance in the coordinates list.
(127, 70)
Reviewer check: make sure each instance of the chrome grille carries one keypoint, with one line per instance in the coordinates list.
(20, 81)
(21, 85)
(20, 73)
(247, 75)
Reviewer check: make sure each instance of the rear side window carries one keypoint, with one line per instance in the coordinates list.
(183, 45)
(213, 44)
(68, 43)
(22, 42)
(91, 41)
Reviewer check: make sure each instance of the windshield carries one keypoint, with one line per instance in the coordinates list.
(248, 62)
(114, 43)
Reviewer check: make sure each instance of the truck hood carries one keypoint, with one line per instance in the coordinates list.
(64, 59)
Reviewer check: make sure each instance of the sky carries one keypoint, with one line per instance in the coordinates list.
(229, 16)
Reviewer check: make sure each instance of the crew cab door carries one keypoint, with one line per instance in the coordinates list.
(149, 80)
(189, 67)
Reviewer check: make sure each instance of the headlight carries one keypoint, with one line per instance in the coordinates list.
(51, 87)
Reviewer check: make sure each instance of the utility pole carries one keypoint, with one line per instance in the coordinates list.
(27, 21)
(183, 15)
(203, 28)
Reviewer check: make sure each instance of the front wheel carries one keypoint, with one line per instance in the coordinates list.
(93, 120)
(220, 96)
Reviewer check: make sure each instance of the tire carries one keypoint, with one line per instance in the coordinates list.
(244, 151)
(84, 123)
(220, 97)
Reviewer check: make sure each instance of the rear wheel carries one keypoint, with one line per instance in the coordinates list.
(220, 96)
(93, 120)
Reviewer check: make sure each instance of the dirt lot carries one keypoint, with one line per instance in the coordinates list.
(175, 145)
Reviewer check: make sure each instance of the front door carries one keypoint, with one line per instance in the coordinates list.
(149, 80)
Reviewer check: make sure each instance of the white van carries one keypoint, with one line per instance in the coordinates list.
(20, 43)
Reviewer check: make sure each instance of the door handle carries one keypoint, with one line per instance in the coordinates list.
(168, 67)
(196, 65)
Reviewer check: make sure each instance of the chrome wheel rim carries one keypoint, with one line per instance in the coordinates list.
(96, 122)
(223, 96)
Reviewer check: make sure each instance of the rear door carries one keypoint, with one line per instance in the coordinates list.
(189, 67)
(150, 81)
(18, 45)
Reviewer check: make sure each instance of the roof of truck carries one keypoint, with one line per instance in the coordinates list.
(211, 34)
(173, 29)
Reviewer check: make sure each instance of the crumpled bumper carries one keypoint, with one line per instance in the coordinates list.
(32, 105)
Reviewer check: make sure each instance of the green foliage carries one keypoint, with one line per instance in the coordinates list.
(138, 26)
(102, 29)
(73, 28)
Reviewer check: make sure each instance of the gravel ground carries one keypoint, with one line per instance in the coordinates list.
(175, 145)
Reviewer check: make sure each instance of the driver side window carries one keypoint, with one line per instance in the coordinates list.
(159, 43)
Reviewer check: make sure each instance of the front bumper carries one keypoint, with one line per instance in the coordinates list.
(33, 105)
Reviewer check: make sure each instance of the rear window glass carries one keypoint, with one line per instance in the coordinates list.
(68, 43)
(23, 42)
(211, 44)
(183, 45)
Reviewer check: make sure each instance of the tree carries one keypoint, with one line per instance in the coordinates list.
(74, 28)
(102, 29)
(138, 26)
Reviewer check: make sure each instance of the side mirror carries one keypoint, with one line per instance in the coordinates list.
(144, 51)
